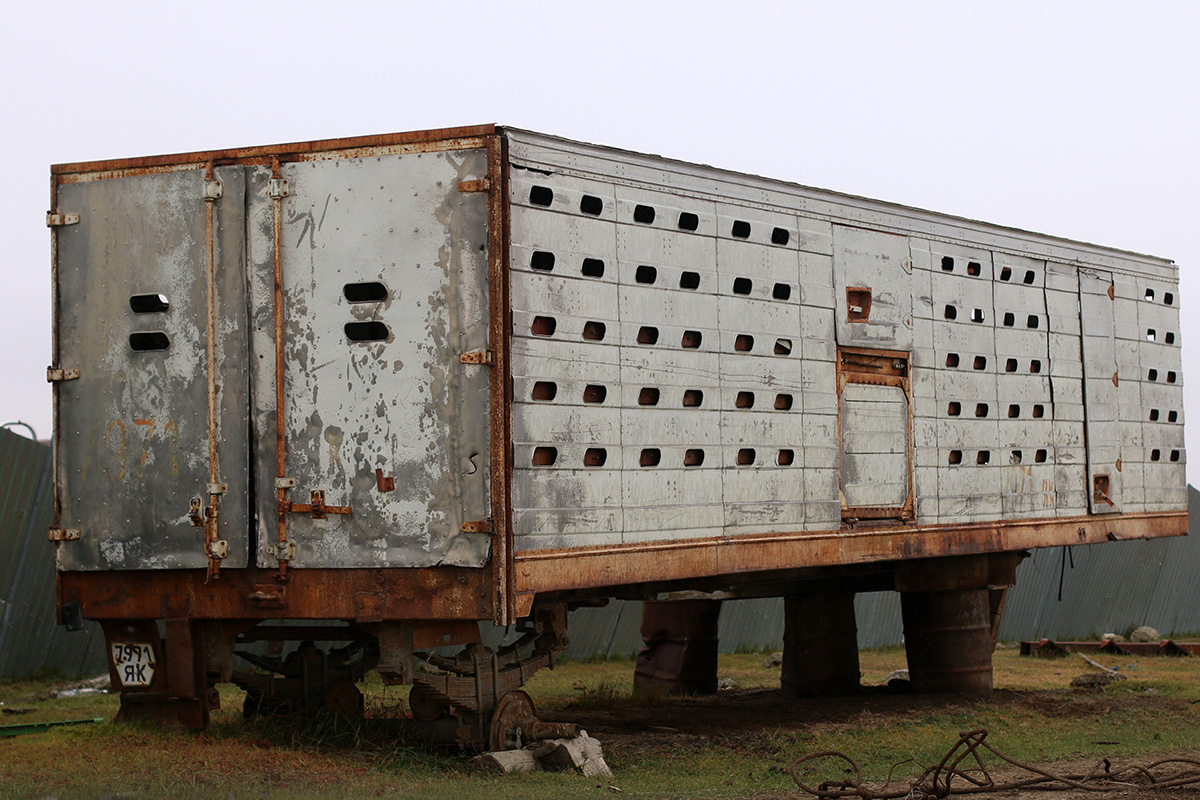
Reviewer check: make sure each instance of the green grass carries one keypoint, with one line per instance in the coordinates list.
(736, 745)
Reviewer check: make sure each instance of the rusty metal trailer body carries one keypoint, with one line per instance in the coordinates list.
(413, 381)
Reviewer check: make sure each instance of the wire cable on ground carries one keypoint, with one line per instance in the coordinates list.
(951, 776)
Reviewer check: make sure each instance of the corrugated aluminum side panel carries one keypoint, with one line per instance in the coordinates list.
(30, 639)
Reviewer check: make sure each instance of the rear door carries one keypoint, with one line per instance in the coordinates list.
(142, 451)
(384, 458)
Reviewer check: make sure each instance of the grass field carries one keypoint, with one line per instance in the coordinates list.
(736, 744)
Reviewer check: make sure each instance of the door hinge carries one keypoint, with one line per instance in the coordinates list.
(284, 551)
(64, 534)
(212, 190)
(278, 187)
(476, 357)
(477, 526)
(480, 185)
(53, 374)
(57, 220)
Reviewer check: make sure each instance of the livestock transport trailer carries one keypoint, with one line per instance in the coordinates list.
(394, 386)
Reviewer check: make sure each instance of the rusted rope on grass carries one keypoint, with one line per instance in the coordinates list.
(951, 776)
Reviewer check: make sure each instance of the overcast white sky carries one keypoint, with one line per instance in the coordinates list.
(1077, 119)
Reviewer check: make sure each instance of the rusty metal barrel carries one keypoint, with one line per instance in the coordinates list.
(948, 640)
(679, 651)
(820, 645)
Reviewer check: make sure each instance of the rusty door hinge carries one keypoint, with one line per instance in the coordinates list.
(480, 185)
(64, 534)
(57, 220)
(477, 526)
(53, 374)
(476, 357)
(317, 507)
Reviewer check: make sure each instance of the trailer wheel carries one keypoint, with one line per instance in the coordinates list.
(344, 699)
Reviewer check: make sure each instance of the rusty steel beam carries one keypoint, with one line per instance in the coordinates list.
(617, 565)
(361, 595)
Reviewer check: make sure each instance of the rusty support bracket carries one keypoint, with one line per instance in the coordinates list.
(269, 595)
(57, 220)
(54, 374)
(477, 526)
(285, 551)
(479, 185)
(384, 483)
(64, 534)
(317, 507)
(476, 357)
(278, 187)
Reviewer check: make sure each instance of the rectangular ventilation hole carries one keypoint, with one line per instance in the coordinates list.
(643, 214)
(1174, 455)
(1006, 273)
(1100, 487)
(1149, 294)
(693, 398)
(1010, 319)
(149, 303)
(1039, 411)
(858, 304)
(693, 457)
(688, 221)
(650, 457)
(744, 400)
(1168, 298)
(1154, 415)
(783, 402)
(1170, 377)
(977, 315)
(591, 204)
(741, 229)
(1032, 322)
(974, 268)
(952, 360)
(594, 393)
(543, 326)
(746, 456)
(373, 331)
(541, 260)
(1151, 335)
(742, 285)
(1014, 410)
(544, 456)
(1155, 455)
(1172, 416)
(780, 236)
(1015, 457)
(647, 334)
(545, 390)
(541, 195)
(743, 343)
(980, 362)
(645, 274)
(368, 292)
(947, 264)
(1029, 277)
(1169, 338)
(1010, 365)
(147, 341)
(981, 409)
(1040, 456)
(689, 280)
(691, 339)
(1035, 365)
(983, 457)
(594, 330)
(782, 291)
(954, 409)
(785, 458)
(595, 457)
(648, 396)
(1152, 375)
(783, 347)
(593, 268)
(955, 457)
(951, 312)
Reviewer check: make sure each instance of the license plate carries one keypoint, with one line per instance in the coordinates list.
(135, 663)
